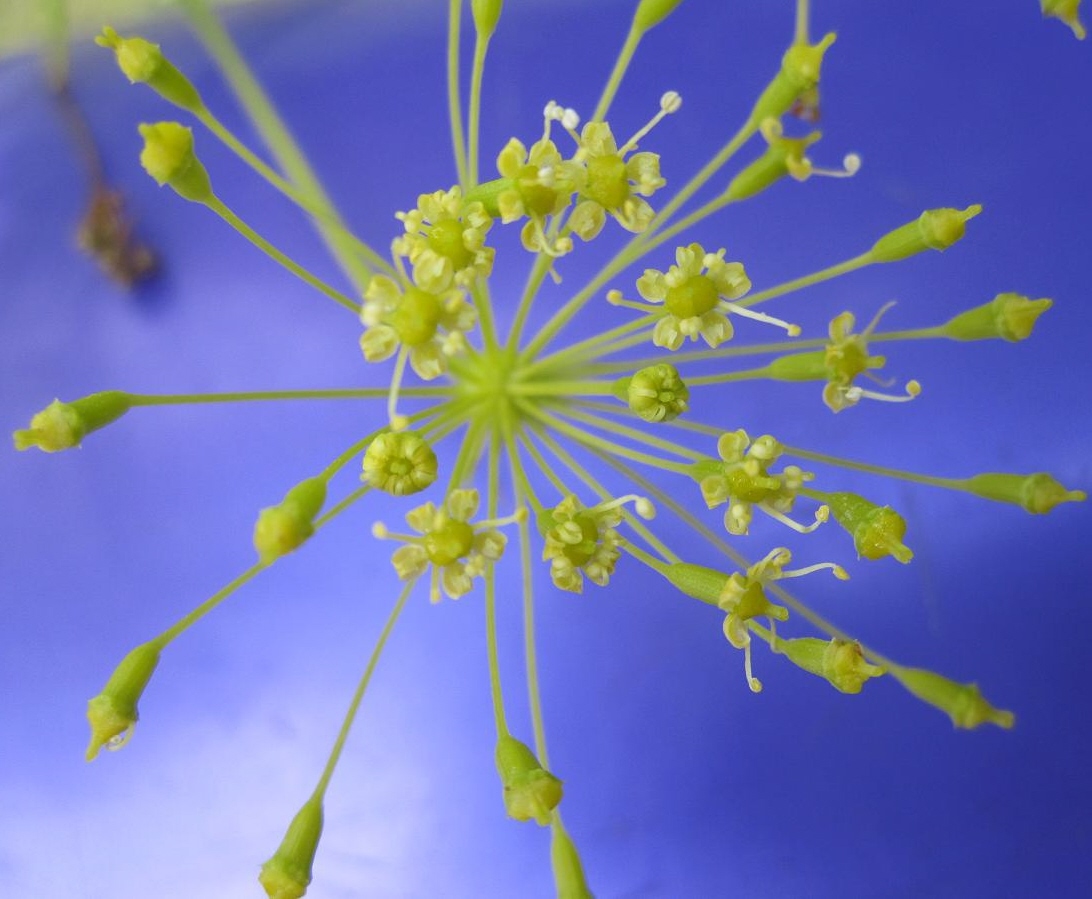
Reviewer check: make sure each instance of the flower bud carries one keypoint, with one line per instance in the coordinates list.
(169, 158)
(839, 661)
(1008, 316)
(530, 791)
(1036, 493)
(142, 61)
(288, 873)
(1065, 11)
(799, 75)
(568, 871)
(400, 463)
(113, 713)
(285, 527)
(61, 426)
(877, 531)
(963, 703)
(651, 13)
(486, 13)
(934, 229)
(657, 393)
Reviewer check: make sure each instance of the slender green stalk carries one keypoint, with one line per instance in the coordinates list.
(591, 441)
(493, 492)
(947, 483)
(725, 351)
(802, 31)
(278, 138)
(289, 190)
(454, 105)
(544, 466)
(621, 64)
(749, 374)
(217, 206)
(833, 271)
(188, 620)
(560, 388)
(614, 427)
(534, 281)
(358, 695)
(481, 46)
(589, 348)
(350, 393)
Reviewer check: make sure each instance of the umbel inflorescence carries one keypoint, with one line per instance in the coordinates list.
(525, 411)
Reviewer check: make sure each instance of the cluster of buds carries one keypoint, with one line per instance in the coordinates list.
(742, 479)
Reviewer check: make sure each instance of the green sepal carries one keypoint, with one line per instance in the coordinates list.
(799, 74)
(839, 662)
(113, 713)
(1008, 316)
(934, 229)
(877, 531)
(168, 156)
(142, 61)
(1036, 493)
(569, 877)
(697, 581)
(651, 13)
(530, 791)
(61, 426)
(287, 874)
(963, 703)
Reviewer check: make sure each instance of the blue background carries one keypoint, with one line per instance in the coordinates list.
(679, 782)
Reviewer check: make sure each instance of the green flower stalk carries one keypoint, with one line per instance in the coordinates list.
(484, 401)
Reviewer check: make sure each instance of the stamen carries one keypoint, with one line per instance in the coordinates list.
(642, 505)
(821, 515)
(753, 682)
(851, 164)
(517, 517)
(872, 325)
(615, 298)
(791, 329)
(669, 103)
(855, 394)
(837, 570)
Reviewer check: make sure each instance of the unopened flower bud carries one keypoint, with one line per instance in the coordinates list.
(877, 531)
(1065, 11)
(288, 873)
(486, 13)
(1036, 493)
(963, 703)
(657, 393)
(142, 61)
(61, 426)
(651, 13)
(839, 661)
(1008, 316)
(934, 229)
(400, 463)
(286, 526)
(113, 713)
(568, 871)
(799, 75)
(169, 158)
(530, 791)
